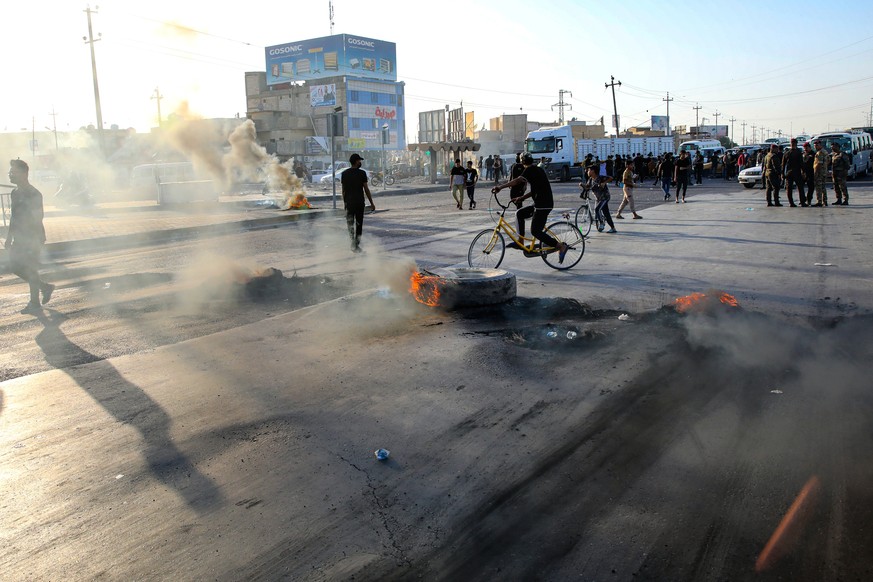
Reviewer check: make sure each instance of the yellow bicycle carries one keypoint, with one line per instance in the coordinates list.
(489, 246)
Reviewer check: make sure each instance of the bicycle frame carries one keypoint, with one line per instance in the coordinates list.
(504, 226)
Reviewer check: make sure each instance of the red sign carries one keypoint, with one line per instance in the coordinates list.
(386, 113)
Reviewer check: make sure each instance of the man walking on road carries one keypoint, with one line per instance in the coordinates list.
(840, 167)
(354, 183)
(471, 177)
(457, 179)
(26, 234)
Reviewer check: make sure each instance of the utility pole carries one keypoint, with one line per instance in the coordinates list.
(668, 99)
(716, 114)
(90, 40)
(33, 138)
(561, 105)
(330, 7)
(612, 83)
(697, 109)
(55, 126)
(744, 132)
(732, 128)
(754, 133)
(870, 123)
(157, 97)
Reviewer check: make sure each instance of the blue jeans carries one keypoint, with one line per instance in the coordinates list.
(665, 184)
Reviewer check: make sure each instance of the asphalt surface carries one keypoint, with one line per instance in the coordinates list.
(181, 426)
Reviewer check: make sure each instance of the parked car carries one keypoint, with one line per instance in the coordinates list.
(319, 175)
(751, 176)
(338, 176)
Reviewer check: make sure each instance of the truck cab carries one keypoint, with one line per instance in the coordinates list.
(555, 146)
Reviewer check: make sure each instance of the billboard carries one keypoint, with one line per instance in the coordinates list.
(331, 56)
(470, 125)
(457, 125)
(432, 126)
(322, 95)
(713, 131)
(660, 122)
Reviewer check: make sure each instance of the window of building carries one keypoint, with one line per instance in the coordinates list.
(354, 97)
(356, 123)
(374, 97)
(400, 100)
(392, 99)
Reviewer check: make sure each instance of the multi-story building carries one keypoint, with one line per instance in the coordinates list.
(306, 83)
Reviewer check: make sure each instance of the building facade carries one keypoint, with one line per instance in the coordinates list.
(306, 83)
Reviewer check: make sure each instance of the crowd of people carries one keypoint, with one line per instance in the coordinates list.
(805, 169)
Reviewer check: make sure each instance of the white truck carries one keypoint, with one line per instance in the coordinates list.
(563, 151)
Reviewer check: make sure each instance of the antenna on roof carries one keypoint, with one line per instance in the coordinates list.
(330, 7)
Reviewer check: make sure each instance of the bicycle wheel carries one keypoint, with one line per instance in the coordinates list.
(389, 180)
(487, 249)
(566, 232)
(583, 219)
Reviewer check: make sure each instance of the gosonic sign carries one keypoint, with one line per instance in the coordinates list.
(331, 56)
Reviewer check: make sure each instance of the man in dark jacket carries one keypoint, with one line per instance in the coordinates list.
(792, 169)
(26, 234)
(354, 184)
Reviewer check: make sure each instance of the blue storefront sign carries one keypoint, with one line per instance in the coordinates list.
(331, 56)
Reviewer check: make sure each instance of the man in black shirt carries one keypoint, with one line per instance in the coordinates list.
(541, 192)
(26, 234)
(682, 174)
(354, 182)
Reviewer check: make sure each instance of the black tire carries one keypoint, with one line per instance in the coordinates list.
(748, 185)
(582, 220)
(566, 232)
(487, 250)
(456, 287)
(565, 174)
(389, 180)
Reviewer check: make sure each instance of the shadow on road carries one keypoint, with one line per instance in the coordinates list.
(129, 405)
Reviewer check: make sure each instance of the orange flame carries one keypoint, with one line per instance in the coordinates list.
(297, 201)
(700, 301)
(424, 288)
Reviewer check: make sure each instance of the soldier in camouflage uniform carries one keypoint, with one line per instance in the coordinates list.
(820, 169)
(773, 175)
(840, 167)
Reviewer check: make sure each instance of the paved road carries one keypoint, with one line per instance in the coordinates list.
(665, 447)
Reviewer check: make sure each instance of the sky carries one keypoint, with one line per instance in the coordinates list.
(796, 66)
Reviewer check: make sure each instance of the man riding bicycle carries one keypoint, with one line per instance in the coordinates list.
(541, 192)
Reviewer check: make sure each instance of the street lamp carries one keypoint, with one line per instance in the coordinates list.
(333, 125)
(385, 136)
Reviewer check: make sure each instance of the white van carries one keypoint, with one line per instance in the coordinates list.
(171, 183)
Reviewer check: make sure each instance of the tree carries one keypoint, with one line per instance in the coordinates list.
(726, 142)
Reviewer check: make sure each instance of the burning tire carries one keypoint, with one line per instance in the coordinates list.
(455, 287)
